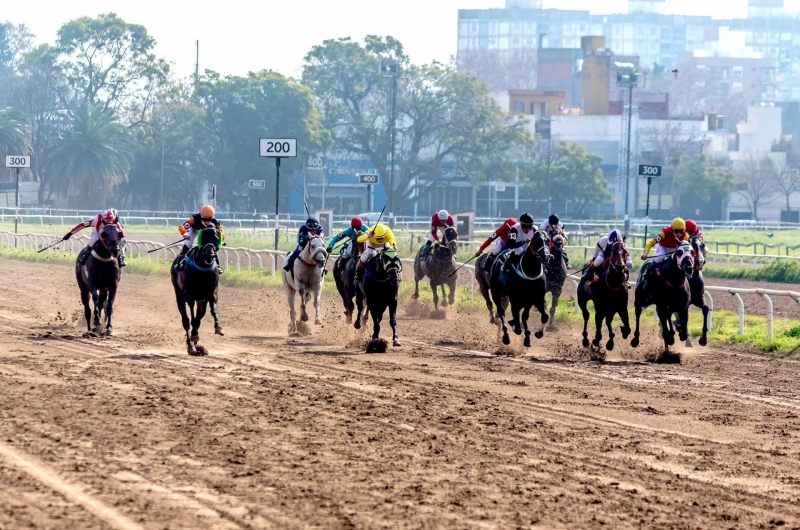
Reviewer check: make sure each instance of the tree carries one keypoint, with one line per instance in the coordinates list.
(757, 181)
(699, 183)
(443, 116)
(13, 133)
(110, 63)
(501, 71)
(15, 42)
(239, 111)
(92, 159)
(787, 174)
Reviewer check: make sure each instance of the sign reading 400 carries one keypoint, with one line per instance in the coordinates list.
(278, 147)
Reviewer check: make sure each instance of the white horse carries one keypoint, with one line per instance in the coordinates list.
(308, 277)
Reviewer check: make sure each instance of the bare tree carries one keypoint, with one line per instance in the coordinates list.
(787, 174)
(501, 70)
(757, 176)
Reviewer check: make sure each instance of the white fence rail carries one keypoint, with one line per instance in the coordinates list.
(140, 251)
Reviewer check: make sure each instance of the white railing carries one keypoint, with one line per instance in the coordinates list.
(141, 250)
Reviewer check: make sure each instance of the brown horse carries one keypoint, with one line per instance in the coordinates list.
(99, 278)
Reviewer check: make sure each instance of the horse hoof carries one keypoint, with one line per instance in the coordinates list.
(671, 341)
(415, 296)
(585, 342)
(512, 323)
(635, 342)
(109, 332)
(596, 343)
(395, 343)
(218, 331)
(684, 337)
(195, 338)
(539, 334)
(357, 323)
(304, 318)
(317, 322)
(517, 330)
(349, 319)
(506, 339)
(492, 321)
(610, 345)
(527, 341)
(191, 350)
(625, 332)
(545, 318)
(703, 341)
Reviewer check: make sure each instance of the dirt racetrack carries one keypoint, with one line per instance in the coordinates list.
(275, 432)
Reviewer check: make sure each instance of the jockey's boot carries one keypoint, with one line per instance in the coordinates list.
(83, 258)
(428, 245)
(588, 274)
(290, 261)
(219, 268)
(178, 265)
(566, 260)
(488, 262)
(121, 259)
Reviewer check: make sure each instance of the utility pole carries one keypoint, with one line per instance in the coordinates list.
(391, 69)
(197, 63)
(627, 77)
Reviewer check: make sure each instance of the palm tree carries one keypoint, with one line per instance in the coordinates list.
(13, 133)
(92, 158)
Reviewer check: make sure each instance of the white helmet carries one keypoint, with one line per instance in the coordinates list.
(443, 215)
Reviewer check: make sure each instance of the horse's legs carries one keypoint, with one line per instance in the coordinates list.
(317, 294)
(377, 316)
(703, 338)
(192, 319)
(96, 308)
(635, 339)
(626, 325)
(112, 295)
(435, 291)
(416, 288)
(683, 332)
(393, 321)
(515, 320)
(359, 306)
(290, 294)
(201, 312)
(87, 310)
(501, 314)
(598, 322)
(452, 285)
(301, 292)
(485, 293)
(667, 332)
(526, 311)
(610, 342)
(553, 307)
(582, 303)
(215, 314)
(184, 319)
(541, 307)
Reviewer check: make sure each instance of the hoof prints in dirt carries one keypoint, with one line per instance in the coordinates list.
(663, 357)
(377, 346)
(576, 352)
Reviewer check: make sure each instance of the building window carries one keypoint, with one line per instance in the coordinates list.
(737, 88)
(542, 109)
(533, 108)
(518, 107)
(737, 72)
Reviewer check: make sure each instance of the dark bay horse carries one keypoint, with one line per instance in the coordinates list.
(609, 294)
(344, 271)
(380, 286)
(197, 282)
(483, 277)
(667, 287)
(438, 266)
(697, 287)
(99, 278)
(524, 287)
(556, 271)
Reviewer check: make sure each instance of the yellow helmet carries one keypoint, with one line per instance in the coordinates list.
(678, 224)
(379, 233)
(207, 211)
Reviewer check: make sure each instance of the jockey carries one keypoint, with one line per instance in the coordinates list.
(520, 233)
(440, 219)
(666, 242)
(692, 230)
(193, 226)
(307, 231)
(350, 233)
(379, 236)
(553, 227)
(600, 252)
(499, 238)
(97, 223)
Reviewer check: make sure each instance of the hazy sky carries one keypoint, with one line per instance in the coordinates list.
(237, 36)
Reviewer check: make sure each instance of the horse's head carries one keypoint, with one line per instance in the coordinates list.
(358, 247)
(316, 251)
(451, 238)
(558, 242)
(110, 238)
(539, 246)
(683, 258)
(619, 255)
(209, 242)
(387, 266)
(700, 251)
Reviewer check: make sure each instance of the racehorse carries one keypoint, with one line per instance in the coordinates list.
(483, 277)
(609, 293)
(668, 289)
(304, 279)
(524, 287)
(556, 272)
(344, 270)
(438, 266)
(196, 281)
(99, 277)
(380, 285)
(697, 287)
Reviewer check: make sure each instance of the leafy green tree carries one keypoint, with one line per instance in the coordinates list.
(239, 111)
(576, 177)
(443, 116)
(110, 63)
(699, 183)
(91, 160)
(13, 133)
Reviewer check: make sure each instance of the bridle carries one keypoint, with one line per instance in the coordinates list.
(308, 246)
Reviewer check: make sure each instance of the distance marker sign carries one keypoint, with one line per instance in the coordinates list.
(368, 178)
(649, 170)
(18, 161)
(277, 147)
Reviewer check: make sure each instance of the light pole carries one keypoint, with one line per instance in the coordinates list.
(391, 69)
(546, 131)
(628, 78)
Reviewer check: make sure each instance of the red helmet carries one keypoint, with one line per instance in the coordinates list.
(356, 222)
(510, 221)
(109, 217)
(691, 226)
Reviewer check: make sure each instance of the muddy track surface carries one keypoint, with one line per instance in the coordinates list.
(447, 431)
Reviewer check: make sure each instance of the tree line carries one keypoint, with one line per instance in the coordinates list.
(106, 120)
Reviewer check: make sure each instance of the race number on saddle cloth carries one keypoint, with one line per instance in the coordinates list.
(194, 226)
(378, 236)
(440, 219)
(667, 240)
(310, 229)
(97, 223)
(350, 233)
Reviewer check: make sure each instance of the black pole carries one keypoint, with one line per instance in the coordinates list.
(647, 209)
(391, 169)
(16, 213)
(549, 196)
(628, 158)
(277, 197)
(369, 197)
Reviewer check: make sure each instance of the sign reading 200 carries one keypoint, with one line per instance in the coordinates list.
(278, 147)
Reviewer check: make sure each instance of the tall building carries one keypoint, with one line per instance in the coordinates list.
(645, 31)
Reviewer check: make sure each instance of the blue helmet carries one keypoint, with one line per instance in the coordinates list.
(614, 236)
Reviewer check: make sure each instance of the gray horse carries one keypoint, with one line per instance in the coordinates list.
(306, 278)
(556, 270)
